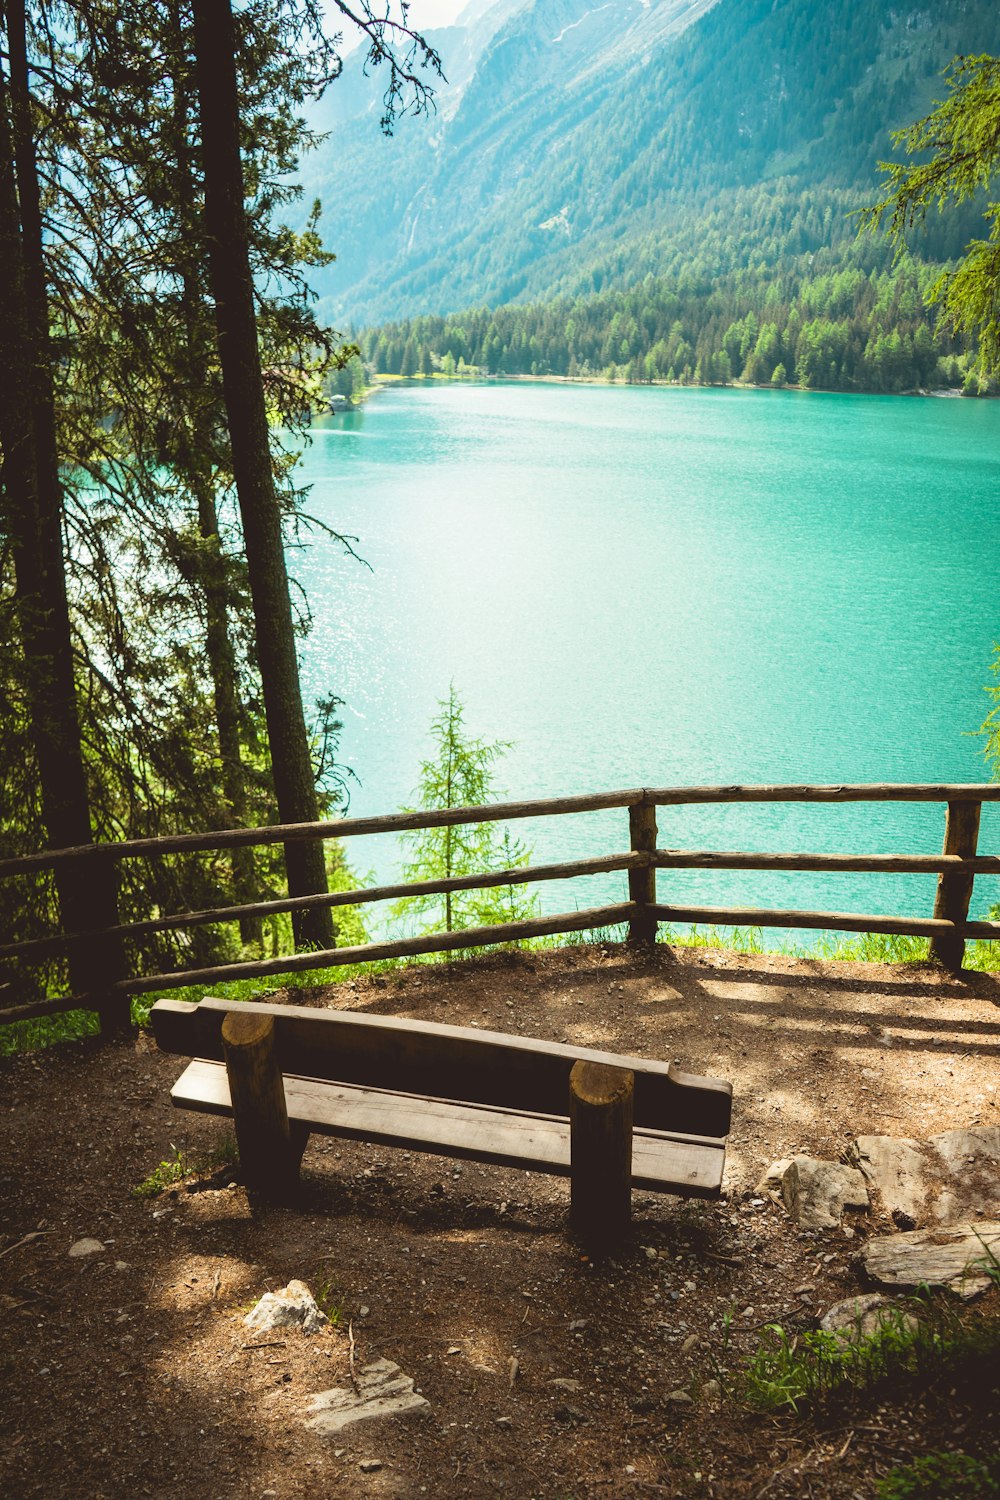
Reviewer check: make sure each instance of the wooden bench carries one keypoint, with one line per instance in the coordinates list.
(610, 1123)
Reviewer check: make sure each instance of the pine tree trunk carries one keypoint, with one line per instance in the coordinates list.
(195, 465)
(222, 670)
(231, 284)
(196, 468)
(32, 497)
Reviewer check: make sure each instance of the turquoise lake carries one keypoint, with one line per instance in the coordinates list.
(666, 586)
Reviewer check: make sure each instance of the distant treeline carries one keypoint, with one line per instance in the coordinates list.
(852, 328)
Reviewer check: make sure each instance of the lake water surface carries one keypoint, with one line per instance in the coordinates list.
(656, 586)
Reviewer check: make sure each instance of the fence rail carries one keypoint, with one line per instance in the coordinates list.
(948, 928)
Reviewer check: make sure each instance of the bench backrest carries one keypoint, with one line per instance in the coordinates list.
(445, 1062)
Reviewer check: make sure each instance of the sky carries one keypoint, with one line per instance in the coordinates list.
(427, 13)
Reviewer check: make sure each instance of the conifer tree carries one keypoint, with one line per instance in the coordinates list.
(461, 774)
(230, 278)
(31, 524)
(957, 151)
(143, 470)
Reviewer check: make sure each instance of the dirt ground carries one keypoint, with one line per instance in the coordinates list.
(131, 1371)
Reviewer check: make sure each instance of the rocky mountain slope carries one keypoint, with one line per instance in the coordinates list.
(576, 144)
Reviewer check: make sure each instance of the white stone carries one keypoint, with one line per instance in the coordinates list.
(771, 1181)
(86, 1247)
(383, 1391)
(294, 1306)
(947, 1207)
(816, 1193)
(962, 1149)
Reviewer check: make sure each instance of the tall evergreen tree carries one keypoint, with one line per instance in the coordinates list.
(231, 283)
(32, 523)
(159, 611)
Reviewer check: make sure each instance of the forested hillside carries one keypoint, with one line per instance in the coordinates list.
(847, 328)
(582, 150)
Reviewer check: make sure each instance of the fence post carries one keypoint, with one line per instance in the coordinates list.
(642, 880)
(954, 887)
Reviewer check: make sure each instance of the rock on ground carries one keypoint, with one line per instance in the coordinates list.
(86, 1247)
(948, 1256)
(383, 1391)
(940, 1180)
(815, 1193)
(859, 1317)
(294, 1306)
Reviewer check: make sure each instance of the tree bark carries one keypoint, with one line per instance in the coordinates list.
(222, 669)
(195, 463)
(32, 494)
(231, 283)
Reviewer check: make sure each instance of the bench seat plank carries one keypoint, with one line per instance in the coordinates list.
(661, 1161)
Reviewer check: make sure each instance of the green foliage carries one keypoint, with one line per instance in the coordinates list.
(922, 1344)
(330, 1300)
(645, 170)
(461, 774)
(991, 724)
(835, 947)
(872, 948)
(168, 681)
(736, 939)
(181, 1165)
(803, 1370)
(47, 1031)
(854, 326)
(348, 376)
(941, 1476)
(174, 1169)
(957, 151)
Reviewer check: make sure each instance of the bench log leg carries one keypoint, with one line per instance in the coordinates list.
(600, 1120)
(270, 1150)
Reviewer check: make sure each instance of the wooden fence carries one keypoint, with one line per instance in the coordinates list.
(948, 929)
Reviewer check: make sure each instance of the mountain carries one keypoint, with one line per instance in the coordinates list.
(578, 147)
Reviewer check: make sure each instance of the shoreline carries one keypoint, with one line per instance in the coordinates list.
(392, 382)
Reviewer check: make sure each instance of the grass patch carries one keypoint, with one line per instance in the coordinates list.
(47, 1031)
(168, 1173)
(174, 1169)
(834, 947)
(872, 948)
(330, 1300)
(736, 939)
(942, 1476)
(923, 1344)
